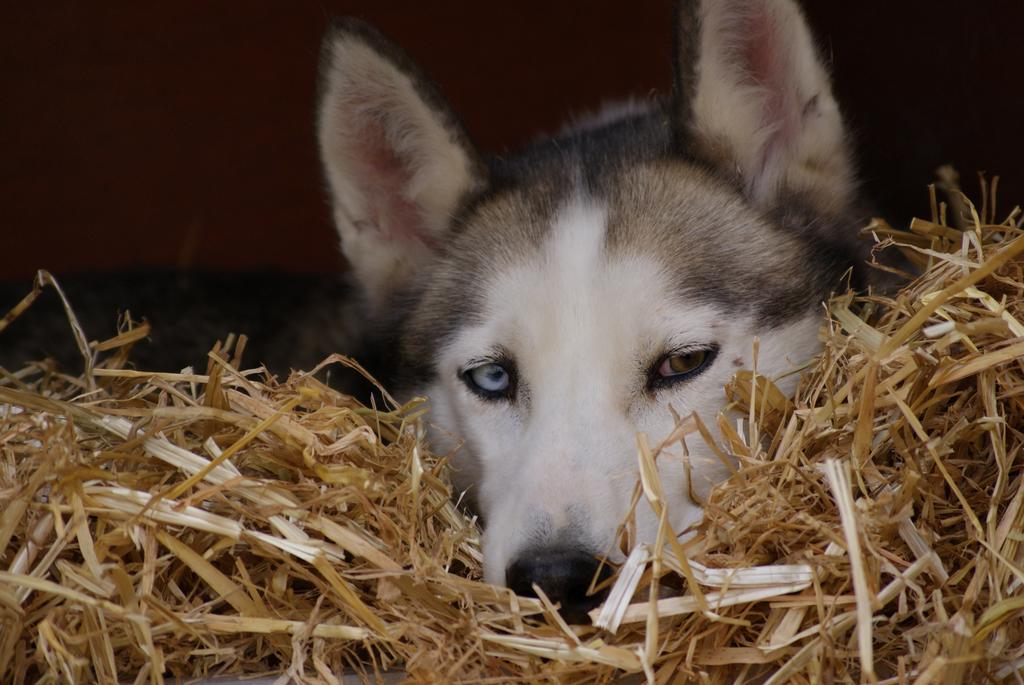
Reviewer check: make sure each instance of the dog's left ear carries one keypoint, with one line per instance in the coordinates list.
(753, 97)
(398, 162)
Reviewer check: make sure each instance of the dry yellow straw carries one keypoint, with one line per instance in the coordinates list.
(177, 525)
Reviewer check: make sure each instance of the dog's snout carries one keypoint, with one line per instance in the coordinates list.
(564, 575)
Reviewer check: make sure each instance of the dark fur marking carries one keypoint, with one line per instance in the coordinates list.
(776, 265)
(686, 53)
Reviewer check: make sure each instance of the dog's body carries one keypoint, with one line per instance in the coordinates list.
(554, 304)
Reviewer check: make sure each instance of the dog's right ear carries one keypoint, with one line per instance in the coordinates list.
(398, 162)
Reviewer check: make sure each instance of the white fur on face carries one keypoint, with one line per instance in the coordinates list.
(557, 466)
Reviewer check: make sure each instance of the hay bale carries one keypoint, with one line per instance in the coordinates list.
(181, 525)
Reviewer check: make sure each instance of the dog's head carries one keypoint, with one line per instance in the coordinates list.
(553, 305)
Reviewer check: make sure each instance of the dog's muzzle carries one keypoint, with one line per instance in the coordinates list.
(564, 575)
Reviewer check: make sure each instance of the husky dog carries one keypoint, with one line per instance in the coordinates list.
(553, 304)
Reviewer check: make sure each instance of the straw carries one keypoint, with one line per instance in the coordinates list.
(166, 524)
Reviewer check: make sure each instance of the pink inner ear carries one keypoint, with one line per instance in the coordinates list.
(383, 177)
(760, 55)
(765, 62)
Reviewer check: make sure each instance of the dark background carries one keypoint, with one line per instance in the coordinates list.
(181, 135)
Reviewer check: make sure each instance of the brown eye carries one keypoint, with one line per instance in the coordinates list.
(675, 364)
(680, 366)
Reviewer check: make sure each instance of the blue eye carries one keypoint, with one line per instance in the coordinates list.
(490, 381)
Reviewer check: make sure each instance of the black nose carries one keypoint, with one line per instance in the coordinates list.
(563, 574)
